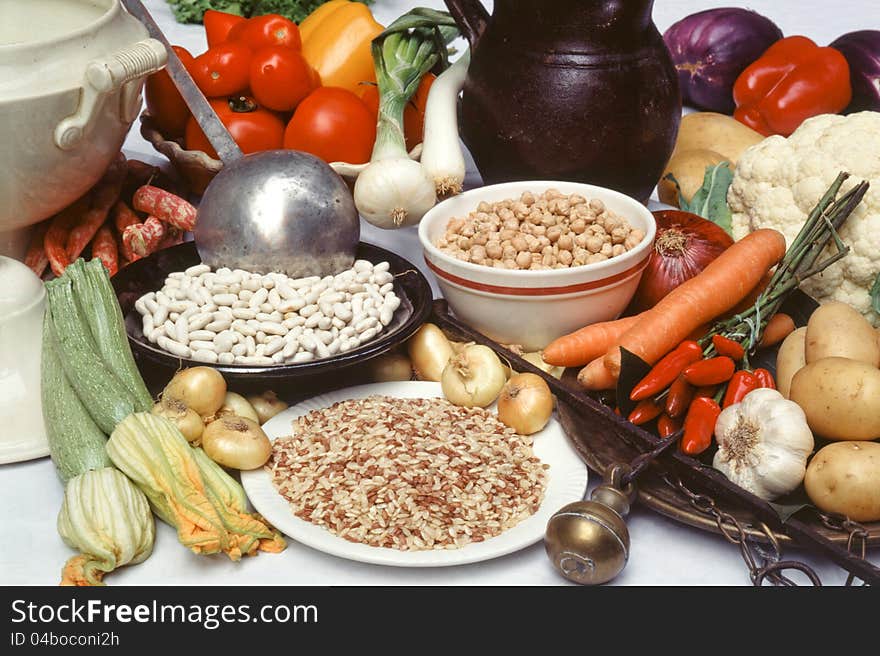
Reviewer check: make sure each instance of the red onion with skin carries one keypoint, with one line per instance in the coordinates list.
(862, 52)
(712, 47)
(684, 245)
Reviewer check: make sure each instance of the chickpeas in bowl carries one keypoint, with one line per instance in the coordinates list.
(537, 232)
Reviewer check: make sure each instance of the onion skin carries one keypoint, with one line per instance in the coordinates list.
(862, 52)
(674, 261)
(712, 47)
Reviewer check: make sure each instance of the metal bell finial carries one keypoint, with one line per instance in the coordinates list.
(587, 541)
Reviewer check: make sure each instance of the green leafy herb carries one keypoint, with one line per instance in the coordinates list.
(875, 295)
(191, 11)
(710, 201)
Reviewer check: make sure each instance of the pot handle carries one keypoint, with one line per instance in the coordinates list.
(105, 76)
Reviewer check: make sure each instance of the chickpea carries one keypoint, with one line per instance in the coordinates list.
(478, 252)
(536, 257)
(596, 257)
(554, 233)
(544, 240)
(484, 207)
(527, 198)
(499, 264)
(535, 245)
(463, 256)
(548, 220)
(612, 221)
(581, 254)
(523, 259)
(507, 234)
(511, 224)
(464, 243)
(539, 230)
(548, 250)
(597, 205)
(510, 263)
(581, 240)
(576, 199)
(550, 194)
(617, 249)
(619, 235)
(594, 244)
(508, 253)
(535, 215)
(598, 230)
(565, 258)
(578, 226)
(493, 249)
(442, 243)
(519, 242)
(481, 238)
(605, 250)
(520, 209)
(634, 238)
(548, 260)
(565, 243)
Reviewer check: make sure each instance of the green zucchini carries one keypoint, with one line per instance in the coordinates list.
(99, 306)
(76, 444)
(107, 400)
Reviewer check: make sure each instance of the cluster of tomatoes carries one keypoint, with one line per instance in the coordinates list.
(268, 96)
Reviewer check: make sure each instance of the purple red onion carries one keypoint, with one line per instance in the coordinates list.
(862, 52)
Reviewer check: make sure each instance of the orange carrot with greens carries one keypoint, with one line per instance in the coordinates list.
(585, 345)
(595, 376)
(720, 286)
(778, 328)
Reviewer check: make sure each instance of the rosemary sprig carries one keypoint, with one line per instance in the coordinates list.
(802, 260)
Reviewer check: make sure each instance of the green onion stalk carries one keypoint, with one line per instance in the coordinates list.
(395, 190)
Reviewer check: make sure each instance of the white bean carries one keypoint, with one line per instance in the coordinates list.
(224, 342)
(181, 330)
(239, 349)
(267, 308)
(261, 350)
(333, 347)
(141, 306)
(293, 322)
(307, 342)
(362, 265)
(274, 298)
(251, 344)
(268, 282)
(200, 344)
(244, 313)
(147, 323)
(338, 323)
(259, 297)
(363, 277)
(218, 325)
(169, 329)
(274, 345)
(321, 350)
(326, 308)
(226, 358)
(303, 356)
(367, 335)
(176, 348)
(308, 311)
(365, 324)
(290, 348)
(240, 326)
(273, 328)
(205, 355)
(294, 304)
(245, 295)
(199, 321)
(284, 291)
(160, 315)
(197, 270)
(225, 299)
(323, 336)
(251, 285)
(324, 323)
(387, 288)
(261, 337)
(348, 331)
(392, 302)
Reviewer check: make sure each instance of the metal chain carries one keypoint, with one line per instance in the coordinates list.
(771, 567)
(856, 543)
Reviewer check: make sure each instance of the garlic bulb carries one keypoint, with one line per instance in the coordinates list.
(763, 444)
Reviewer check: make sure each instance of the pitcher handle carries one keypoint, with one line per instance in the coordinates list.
(104, 76)
(470, 16)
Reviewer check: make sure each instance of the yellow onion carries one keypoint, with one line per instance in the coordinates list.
(236, 404)
(236, 442)
(390, 367)
(525, 403)
(200, 388)
(186, 419)
(473, 377)
(430, 350)
(267, 405)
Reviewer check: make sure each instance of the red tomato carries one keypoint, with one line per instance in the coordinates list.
(413, 114)
(268, 30)
(253, 128)
(163, 99)
(280, 77)
(218, 24)
(223, 69)
(334, 124)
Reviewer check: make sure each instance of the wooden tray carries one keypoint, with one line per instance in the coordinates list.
(602, 438)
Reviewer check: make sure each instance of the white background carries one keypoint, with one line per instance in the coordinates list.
(663, 552)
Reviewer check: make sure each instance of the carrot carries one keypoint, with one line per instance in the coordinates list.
(587, 344)
(36, 258)
(750, 298)
(104, 248)
(778, 328)
(165, 206)
(595, 376)
(104, 195)
(56, 236)
(713, 291)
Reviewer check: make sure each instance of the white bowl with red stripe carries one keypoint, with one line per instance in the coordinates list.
(532, 308)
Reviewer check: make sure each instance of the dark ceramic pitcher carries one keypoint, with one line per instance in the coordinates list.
(579, 90)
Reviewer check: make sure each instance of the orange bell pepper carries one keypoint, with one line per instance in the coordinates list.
(336, 42)
(792, 81)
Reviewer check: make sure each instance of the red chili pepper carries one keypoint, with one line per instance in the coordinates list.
(765, 378)
(706, 392)
(681, 393)
(699, 425)
(666, 425)
(710, 372)
(793, 80)
(740, 384)
(726, 346)
(667, 370)
(644, 412)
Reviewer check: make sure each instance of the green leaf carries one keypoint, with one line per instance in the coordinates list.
(632, 370)
(710, 201)
(875, 295)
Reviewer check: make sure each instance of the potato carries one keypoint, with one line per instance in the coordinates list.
(790, 359)
(840, 397)
(716, 132)
(845, 478)
(837, 330)
(688, 167)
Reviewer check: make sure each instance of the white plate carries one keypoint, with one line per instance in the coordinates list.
(566, 482)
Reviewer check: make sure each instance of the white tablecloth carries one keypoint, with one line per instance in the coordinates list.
(663, 551)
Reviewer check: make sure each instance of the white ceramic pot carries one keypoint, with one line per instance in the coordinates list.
(71, 74)
(532, 308)
(22, 303)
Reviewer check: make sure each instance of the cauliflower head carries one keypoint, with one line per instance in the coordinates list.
(778, 182)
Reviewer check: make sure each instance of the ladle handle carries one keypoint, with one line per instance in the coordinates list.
(214, 130)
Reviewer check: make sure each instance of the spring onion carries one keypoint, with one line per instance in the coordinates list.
(393, 190)
(441, 150)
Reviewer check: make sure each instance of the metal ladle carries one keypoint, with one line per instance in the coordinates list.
(278, 210)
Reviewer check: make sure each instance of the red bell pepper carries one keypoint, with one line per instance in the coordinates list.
(792, 81)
